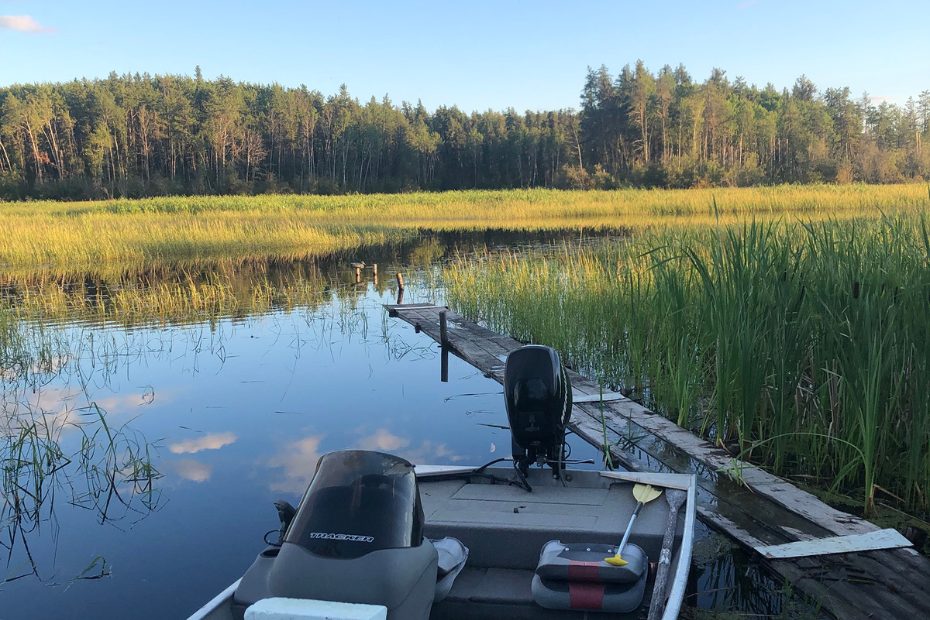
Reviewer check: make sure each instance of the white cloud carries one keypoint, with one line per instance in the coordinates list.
(21, 23)
(427, 452)
(383, 440)
(192, 470)
(298, 462)
(213, 441)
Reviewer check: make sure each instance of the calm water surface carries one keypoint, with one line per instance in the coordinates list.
(232, 412)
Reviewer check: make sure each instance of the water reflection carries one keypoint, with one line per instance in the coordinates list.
(192, 470)
(102, 469)
(297, 462)
(212, 441)
(223, 384)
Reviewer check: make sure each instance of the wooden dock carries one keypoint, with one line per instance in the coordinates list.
(762, 512)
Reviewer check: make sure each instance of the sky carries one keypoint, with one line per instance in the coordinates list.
(476, 54)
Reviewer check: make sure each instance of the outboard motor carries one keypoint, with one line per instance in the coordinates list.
(357, 537)
(538, 395)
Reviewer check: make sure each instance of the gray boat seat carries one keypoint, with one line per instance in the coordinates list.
(452, 557)
(575, 576)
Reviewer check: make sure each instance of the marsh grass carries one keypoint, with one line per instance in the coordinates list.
(803, 347)
(135, 233)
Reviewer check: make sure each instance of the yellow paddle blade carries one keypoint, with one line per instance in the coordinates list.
(645, 493)
(616, 560)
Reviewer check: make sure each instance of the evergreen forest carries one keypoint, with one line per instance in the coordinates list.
(143, 135)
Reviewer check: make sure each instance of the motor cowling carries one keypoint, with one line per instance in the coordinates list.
(538, 397)
(357, 537)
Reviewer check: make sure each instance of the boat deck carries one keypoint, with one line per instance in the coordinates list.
(505, 527)
(587, 509)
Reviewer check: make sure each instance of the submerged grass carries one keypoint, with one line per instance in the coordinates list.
(804, 347)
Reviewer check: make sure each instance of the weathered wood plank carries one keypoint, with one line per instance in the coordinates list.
(872, 541)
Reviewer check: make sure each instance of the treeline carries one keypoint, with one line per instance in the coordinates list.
(140, 135)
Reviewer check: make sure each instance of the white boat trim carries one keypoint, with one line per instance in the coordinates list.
(425, 471)
(216, 602)
(872, 541)
(280, 608)
(682, 482)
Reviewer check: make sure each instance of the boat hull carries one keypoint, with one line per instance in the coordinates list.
(505, 526)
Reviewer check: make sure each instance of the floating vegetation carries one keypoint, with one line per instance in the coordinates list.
(801, 346)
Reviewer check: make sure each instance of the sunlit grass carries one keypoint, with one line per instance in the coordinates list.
(85, 235)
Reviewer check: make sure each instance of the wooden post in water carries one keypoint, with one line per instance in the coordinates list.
(444, 344)
(443, 329)
(374, 270)
(358, 275)
(400, 288)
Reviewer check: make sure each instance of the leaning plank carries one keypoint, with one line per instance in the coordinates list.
(879, 539)
(606, 397)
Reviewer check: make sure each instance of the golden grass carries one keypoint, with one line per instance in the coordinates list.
(85, 235)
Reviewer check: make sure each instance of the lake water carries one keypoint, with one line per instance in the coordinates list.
(231, 413)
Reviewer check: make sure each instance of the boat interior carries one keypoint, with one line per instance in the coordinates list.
(505, 528)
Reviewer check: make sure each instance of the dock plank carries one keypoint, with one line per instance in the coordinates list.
(754, 507)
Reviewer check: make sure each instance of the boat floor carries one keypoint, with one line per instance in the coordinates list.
(505, 526)
(480, 593)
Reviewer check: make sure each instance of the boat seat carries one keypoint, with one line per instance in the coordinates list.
(452, 557)
(575, 576)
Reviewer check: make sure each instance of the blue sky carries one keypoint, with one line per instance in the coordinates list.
(477, 54)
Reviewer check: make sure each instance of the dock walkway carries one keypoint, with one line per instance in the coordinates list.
(762, 512)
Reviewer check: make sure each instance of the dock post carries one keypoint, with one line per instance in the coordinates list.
(400, 288)
(358, 275)
(443, 329)
(374, 270)
(444, 344)
(444, 365)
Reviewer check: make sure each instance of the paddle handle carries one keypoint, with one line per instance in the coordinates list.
(629, 529)
(657, 605)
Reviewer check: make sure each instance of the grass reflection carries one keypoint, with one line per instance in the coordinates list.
(108, 471)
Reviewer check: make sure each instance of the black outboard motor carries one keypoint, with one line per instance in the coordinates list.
(357, 537)
(538, 395)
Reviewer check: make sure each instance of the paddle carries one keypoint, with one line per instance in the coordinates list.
(675, 499)
(644, 494)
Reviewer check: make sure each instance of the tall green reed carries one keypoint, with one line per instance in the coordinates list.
(804, 346)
